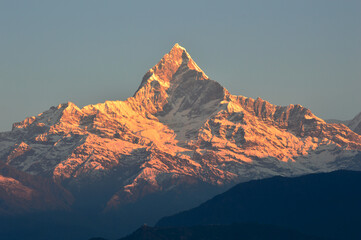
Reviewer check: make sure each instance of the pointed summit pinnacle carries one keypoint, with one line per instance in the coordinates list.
(177, 46)
(167, 73)
(180, 56)
(163, 72)
(179, 53)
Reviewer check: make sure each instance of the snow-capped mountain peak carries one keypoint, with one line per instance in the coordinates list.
(179, 128)
(177, 59)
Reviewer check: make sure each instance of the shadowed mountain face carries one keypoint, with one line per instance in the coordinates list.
(325, 204)
(22, 193)
(354, 124)
(181, 134)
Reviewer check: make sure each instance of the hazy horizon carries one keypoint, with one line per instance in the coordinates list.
(305, 52)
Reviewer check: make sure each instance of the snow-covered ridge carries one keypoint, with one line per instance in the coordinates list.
(179, 125)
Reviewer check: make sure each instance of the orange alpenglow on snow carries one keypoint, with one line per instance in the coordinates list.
(178, 125)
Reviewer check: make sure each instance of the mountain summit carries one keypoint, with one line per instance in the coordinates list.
(176, 61)
(180, 129)
(174, 76)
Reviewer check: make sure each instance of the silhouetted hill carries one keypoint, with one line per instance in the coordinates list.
(326, 204)
(224, 232)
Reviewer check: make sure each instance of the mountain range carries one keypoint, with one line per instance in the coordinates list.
(181, 139)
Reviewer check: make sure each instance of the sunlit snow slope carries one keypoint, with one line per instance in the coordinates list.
(180, 127)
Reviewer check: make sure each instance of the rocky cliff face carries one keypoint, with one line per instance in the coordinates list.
(179, 128)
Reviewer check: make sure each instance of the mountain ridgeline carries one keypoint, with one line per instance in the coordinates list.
(179, 140)
(323, 204)
(244, 231)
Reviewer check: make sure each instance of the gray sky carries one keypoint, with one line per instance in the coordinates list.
(306, 52)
